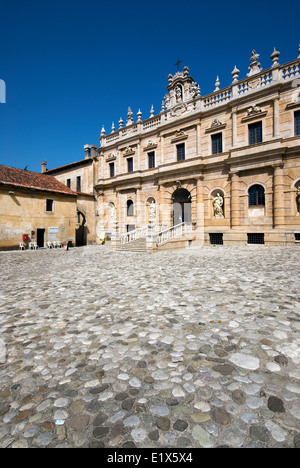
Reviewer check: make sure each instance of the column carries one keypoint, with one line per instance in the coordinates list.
(161, 218)
(234, 128)
(235, 199)
(198, 141)
(162, 144)
(276, 117)
(278, 197)
(138, 209)
(200, 209)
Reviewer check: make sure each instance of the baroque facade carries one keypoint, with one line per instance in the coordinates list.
(217, 169)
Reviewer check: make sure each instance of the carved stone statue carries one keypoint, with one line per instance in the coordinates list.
(178, 93)
(218, 206)
(113, 214)
(152, 211)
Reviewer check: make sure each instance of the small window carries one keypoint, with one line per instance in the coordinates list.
(255, 133)
(297, 123)
(180, 152)
(256, 238)
(112, 169)
(217, 145)
(297, 236)
(78, 184)
(216, 238)
(130, 208)
(69, 183)
(151, 159)
(49, 205)
(256, 195)
(130, 164)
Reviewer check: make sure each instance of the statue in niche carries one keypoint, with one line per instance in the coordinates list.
(113, 213)
(218, 206)
(298, 201)
(152, 211)
(178, 93)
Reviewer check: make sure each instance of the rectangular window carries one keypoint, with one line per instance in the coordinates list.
(297, 236)
(256, 238)
(151, 159)
(78, 184)
(112, 169)
(217, 146)
(255, 133)
(130, 164)
(180, 152)
(49, 205)
(216, 238)
(297, 123)
(69, 183)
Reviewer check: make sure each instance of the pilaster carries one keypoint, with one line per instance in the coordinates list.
(278, 196)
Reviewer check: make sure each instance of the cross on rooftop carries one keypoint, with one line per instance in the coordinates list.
(177, 64)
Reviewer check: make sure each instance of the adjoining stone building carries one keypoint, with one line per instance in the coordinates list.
(35, 208)
(222, 168)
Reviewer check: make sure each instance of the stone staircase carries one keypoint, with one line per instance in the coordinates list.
(138, 245)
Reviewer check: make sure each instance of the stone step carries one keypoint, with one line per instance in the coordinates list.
(138, 245)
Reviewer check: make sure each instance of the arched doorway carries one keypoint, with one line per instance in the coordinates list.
(182, 206)
(81, 231)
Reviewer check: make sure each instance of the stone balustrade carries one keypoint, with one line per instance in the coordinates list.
(256, 80)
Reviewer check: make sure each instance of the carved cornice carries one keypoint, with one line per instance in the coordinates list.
(128, 151)
(150, 146)
(110, 157)
(179, 135)
(254, 112)
(216, 125)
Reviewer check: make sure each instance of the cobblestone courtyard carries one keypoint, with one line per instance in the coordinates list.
(194, 348)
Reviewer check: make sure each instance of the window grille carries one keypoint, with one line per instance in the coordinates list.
(255, 133)
(256, 195)
(256, 238)
(216, 238)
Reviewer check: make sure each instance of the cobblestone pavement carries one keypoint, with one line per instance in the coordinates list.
(194, 348)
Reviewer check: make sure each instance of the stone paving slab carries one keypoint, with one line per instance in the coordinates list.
(190, 348)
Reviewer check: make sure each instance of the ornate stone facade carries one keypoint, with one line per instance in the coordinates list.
(226, 165)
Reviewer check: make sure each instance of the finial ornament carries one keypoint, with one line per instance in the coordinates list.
(152, 111)
(275, 57)
(235, 74)
(121, 122)
(217, 84)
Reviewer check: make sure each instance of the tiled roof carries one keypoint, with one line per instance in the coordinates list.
(32, 180)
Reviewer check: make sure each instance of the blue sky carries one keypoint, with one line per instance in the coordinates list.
(71, 66)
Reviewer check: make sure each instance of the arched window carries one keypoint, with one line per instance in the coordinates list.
(256, 195)
(129, 208)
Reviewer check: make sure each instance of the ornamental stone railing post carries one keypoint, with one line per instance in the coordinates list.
(115, 237)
